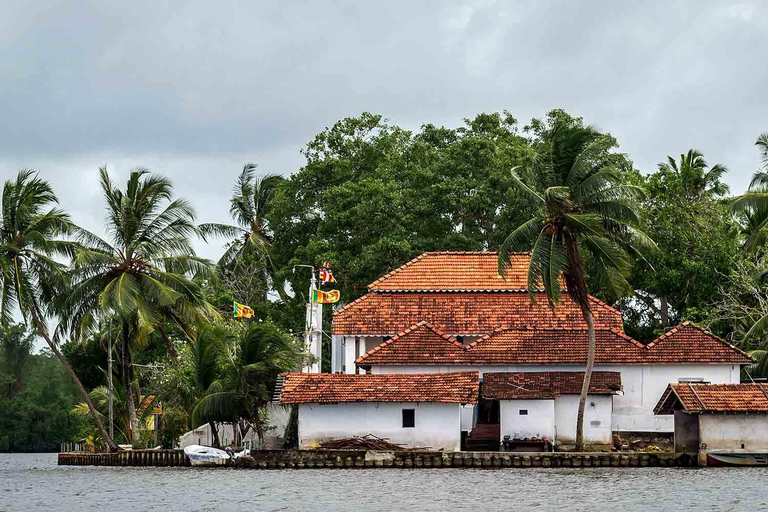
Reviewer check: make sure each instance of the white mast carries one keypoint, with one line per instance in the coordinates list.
(313, 331)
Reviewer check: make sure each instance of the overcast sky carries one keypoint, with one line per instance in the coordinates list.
(194, 90)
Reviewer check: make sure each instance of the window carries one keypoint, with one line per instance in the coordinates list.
(523, 412)
(409, 418)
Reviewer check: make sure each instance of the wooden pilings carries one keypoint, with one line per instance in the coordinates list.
(143, 458)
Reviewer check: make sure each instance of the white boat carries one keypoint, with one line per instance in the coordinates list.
(737, 459)
(206, 456)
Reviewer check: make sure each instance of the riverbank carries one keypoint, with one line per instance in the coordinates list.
(335, 459)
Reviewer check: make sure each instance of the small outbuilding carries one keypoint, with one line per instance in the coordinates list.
(416, 410)
(712, 419)
(544, 405)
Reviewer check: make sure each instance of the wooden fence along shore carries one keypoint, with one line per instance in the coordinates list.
(305, 459)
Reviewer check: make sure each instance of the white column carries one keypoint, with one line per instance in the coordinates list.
(314, 336)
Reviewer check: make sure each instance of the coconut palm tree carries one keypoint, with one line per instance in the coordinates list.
(752, 207)
(252, 357)
(33, 233)
(143, 276)
(694, 179)
(586, 221)
(250, 240)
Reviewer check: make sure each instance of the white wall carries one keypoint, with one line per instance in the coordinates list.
(643, 386)
(438, 425)
(539, 422)
(277, 418)
(347, 352)
(597, 419)
(730, 431)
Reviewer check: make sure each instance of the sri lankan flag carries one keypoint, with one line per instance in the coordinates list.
(321, 297)
(242, 311)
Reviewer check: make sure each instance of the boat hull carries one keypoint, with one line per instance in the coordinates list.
(205, 456)
(737, 459)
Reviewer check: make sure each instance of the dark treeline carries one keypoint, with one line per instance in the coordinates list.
(370, 196)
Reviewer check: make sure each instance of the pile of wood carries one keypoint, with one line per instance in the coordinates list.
(367, 442)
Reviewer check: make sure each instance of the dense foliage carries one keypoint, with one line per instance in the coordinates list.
(370, 196)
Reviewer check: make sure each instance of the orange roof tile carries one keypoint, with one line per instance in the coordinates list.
(548, 346)
(313, 388)
(713, 398)
(456, 271)
(546, 385)
(464, 313)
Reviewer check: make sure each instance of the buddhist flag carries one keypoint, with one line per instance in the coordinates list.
(326, 276)
(321, 297)
(242, 311)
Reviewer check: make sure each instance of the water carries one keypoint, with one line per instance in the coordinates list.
(32, 482)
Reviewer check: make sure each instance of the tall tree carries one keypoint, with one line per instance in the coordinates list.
(686, 215)
(33, 233)
(248, 252)
(586, 221)
(143, 276)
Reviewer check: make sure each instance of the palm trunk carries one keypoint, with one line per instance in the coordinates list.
(127, 380)
(86, 398)
(664, 312)
(587, 313)
(215, 434)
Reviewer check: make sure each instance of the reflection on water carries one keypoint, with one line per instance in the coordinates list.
(32, 482)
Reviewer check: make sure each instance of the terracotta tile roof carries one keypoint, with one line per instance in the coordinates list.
(314, 388)
(454, 271)
(546, 385)
(713, 398)
(463, 313)
(427, 345)
(676, 344)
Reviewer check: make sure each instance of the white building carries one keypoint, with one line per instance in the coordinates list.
(412, 410)
(720, 422)
(452, 311)
(544, 406)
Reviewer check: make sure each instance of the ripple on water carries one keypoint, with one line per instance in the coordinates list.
(32, 482)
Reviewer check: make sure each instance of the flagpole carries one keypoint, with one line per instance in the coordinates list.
(309, 319)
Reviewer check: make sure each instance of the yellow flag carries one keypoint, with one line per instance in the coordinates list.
(242, 311)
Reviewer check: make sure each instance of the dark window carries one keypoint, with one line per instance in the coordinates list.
(409, 418)
(523, 412)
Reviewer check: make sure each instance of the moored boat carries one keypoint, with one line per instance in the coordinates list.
(206, 455)
(737, 459)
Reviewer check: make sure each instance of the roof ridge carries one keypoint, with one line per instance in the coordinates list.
(687, 323)
(396, 270)
(412, 328)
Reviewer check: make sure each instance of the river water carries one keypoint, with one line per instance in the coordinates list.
(32, 482)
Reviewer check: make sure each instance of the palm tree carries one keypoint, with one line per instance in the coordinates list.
(586, 221)
(252, 357)
(693, 179)
(142, 278)
(30, 276)
(752, 207)
(250, 239)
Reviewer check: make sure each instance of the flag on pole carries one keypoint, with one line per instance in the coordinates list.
(242, 311)
(321, 297)
(326, 276)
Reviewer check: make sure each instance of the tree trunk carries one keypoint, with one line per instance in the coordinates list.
(587, 313)
(664, 312)
(86, 398)
(215, 434)
(127, 381)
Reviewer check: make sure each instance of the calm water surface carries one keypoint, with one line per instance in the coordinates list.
(31, 482)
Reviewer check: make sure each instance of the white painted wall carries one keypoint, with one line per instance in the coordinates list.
(539, 422)
(597, 419)
(438, 425)
(643, 385)
(467, 417)
(348, 352)
(730, 431)
(277, 418)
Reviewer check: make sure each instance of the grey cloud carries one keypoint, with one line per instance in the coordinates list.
(196, 89)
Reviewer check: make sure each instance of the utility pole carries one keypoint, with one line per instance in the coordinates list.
(109, 370)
